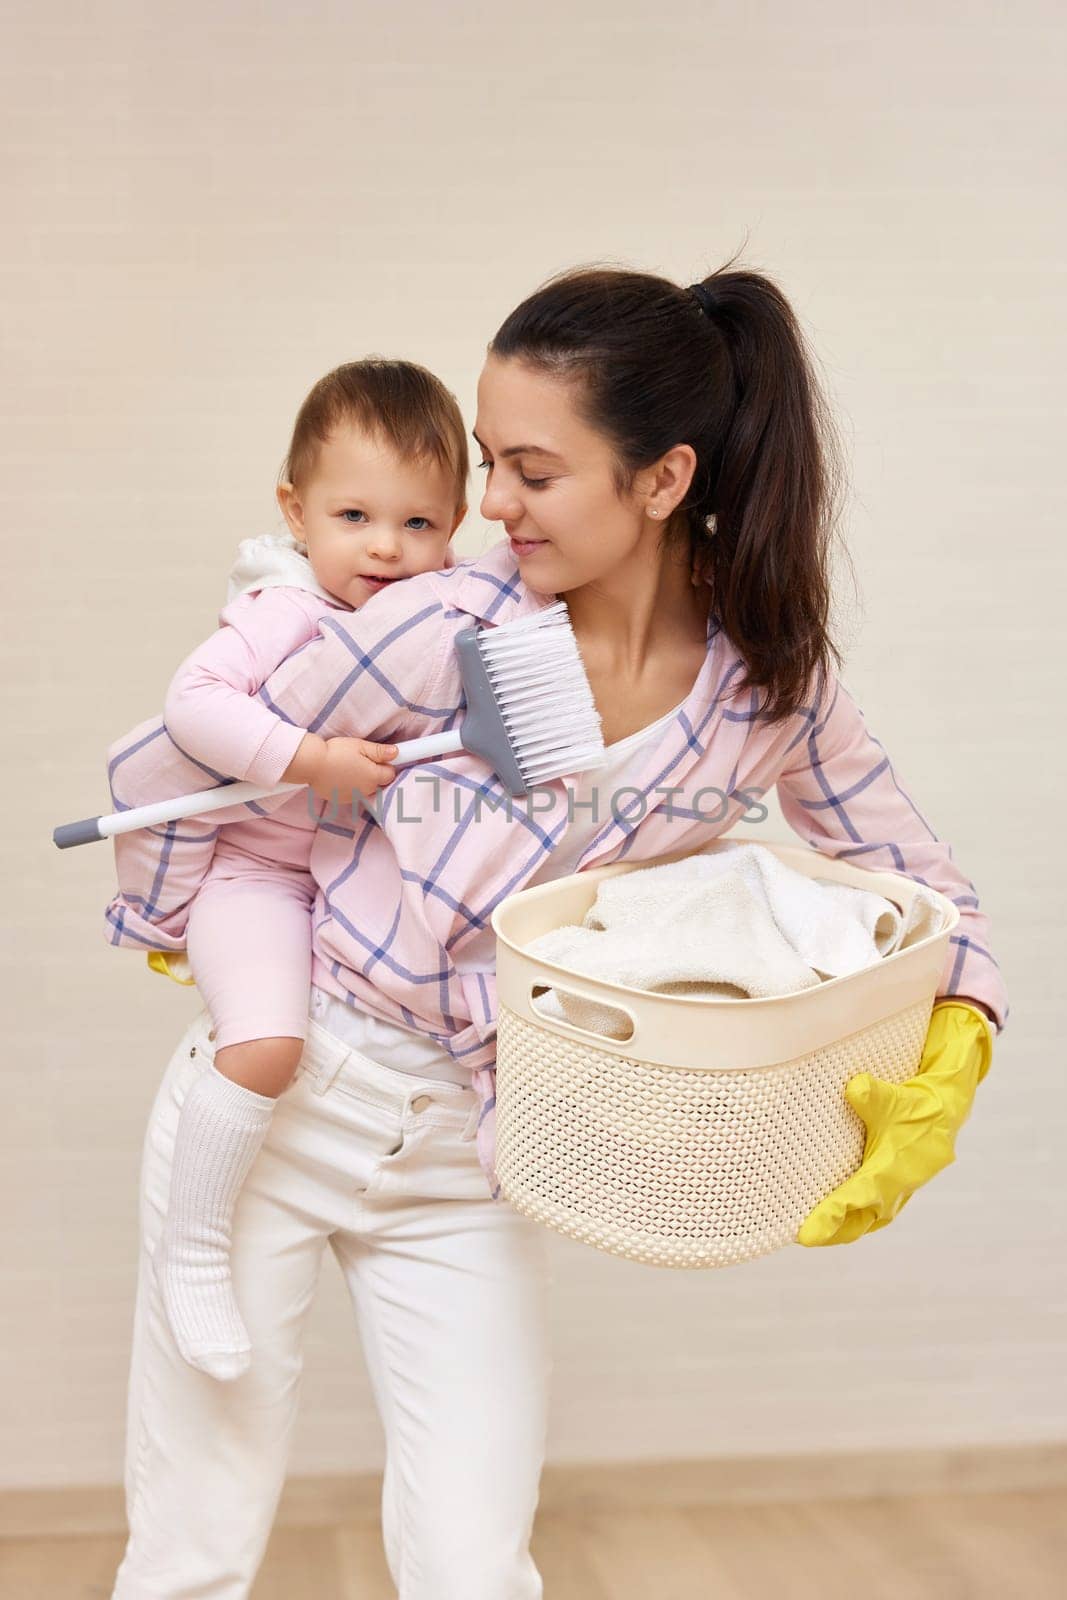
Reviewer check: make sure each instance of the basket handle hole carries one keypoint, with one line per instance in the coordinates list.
(606, 1022)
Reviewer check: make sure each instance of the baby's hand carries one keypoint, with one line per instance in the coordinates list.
(348, 765)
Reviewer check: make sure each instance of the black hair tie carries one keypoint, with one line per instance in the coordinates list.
(704, 299)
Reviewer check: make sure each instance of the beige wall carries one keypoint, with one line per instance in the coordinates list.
(209, 206)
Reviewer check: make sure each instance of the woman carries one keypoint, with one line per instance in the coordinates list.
(659, 457)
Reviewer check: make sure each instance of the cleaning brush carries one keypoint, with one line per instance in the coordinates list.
(530, 714)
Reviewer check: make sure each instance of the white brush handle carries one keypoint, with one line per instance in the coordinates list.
(182, 805)
(432, 744)
(230, 794)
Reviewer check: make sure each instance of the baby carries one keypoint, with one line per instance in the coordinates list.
(374, 488)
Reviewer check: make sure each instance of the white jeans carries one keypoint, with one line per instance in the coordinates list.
(450, 1295)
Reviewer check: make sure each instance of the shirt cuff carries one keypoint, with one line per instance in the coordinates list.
(275, 753)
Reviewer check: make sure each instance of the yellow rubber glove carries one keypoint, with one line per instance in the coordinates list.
(172, 964)
(911, 1126)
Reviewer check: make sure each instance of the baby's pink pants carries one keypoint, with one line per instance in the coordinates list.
(249, 944)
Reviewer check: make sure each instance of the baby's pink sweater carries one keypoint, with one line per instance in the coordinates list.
(212, 710)
(212, 713)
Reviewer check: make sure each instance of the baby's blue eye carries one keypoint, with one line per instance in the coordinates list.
(351, 514)
(426, 523)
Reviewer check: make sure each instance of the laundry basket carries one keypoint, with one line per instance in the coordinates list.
(706, 1137)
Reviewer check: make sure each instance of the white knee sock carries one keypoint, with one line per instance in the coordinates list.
(220, 1130)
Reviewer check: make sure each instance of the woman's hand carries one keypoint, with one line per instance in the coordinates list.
(911, 1127)
(337, 769)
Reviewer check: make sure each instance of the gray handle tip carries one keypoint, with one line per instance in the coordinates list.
(85, 832)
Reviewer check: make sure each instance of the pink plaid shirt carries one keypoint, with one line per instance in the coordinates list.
(404, 888)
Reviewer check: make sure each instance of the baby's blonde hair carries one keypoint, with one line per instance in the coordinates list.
(398, 401)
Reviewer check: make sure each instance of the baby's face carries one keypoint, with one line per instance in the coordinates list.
(368, 516)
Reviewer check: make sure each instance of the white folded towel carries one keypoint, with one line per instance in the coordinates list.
(733, 921)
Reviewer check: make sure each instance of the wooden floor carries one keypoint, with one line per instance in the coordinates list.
(933, 1547)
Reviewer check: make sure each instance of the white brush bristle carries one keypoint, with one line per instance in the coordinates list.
(544, 697)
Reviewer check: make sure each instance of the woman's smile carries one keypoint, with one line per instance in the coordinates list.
(525, 547)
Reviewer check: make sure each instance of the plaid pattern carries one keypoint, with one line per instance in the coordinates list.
(213, 724)
(400, 889)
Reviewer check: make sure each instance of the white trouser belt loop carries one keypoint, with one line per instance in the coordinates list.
(323, 1057)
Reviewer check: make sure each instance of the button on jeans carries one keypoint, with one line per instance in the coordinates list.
(450, 1295)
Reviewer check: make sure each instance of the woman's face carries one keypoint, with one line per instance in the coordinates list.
(548, 480)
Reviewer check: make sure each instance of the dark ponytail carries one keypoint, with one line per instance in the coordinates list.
(652, 369)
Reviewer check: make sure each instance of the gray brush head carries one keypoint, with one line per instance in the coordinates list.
(530, 710)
